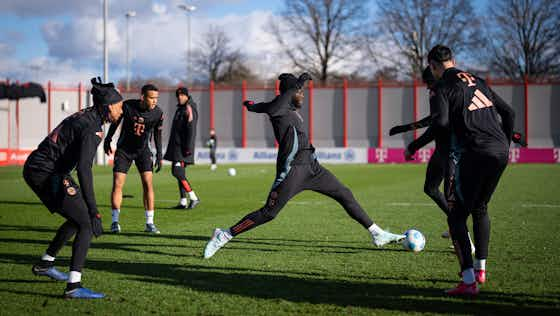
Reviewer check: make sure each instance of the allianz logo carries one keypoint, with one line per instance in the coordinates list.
(264, 155)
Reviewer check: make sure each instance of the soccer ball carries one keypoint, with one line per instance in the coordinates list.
(232, 172)
(414, 240)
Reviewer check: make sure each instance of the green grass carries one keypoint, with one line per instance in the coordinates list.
(313, 259)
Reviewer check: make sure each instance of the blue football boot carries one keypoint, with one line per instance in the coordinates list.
(51, 272)
(84, 293)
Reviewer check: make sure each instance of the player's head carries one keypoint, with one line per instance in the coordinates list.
(182, 95)
(428, 78)
(212, 132)
(440, 58)
(107, 100)
(149, 97)
(289, 81)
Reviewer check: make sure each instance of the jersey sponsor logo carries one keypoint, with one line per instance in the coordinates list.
(479, 101)
(139, 125)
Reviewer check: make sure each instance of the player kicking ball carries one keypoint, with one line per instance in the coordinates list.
(297, 169)
(141, 118)
(72, 145)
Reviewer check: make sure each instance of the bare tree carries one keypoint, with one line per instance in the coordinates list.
(315, 33)
(526, 38)
(410, 28)
(216, 59)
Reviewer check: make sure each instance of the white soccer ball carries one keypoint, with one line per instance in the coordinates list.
(414, 240)
(232, 172)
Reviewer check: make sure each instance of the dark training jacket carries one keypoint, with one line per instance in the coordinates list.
(289, 131)
(138, 125)
(466, 106)
(72, 144)
(182, 138)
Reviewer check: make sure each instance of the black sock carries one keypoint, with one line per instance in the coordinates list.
(73, 286)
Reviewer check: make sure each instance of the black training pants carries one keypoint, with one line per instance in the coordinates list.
(439, 169)
(61, 195)
(302, 177)
(476, 178)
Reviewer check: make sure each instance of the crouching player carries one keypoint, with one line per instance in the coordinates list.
(72, 145)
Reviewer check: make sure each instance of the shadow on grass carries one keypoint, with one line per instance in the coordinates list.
(374, 295)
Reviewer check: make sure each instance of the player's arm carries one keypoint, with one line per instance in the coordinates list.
(109, 136)
(272, 107)
(421, 141)
(439, 111)
(410, 126)
(189, 142)
(157, 142)
(506, 113)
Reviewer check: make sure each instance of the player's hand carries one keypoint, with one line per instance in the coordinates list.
(397, 130)
(107, 146)
(518, 138)
(96, 225)
(248, 103)
(408, 155)
(159, 162)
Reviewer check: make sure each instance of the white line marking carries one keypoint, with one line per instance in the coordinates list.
(540, 205)
(410, 204)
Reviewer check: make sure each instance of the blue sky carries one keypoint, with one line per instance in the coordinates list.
(62, 38)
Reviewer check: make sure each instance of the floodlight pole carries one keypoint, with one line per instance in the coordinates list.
(128, 15)
(188, 9)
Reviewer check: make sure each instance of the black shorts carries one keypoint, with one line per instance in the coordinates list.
(123, 160)
(59, 193)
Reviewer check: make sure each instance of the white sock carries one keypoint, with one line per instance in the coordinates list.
(480, 264)
(115, 214)
(46, 257)
(227, 234)
(375, 230)
(74, 277)
(183, 201)
(149, 217)
(468, 276)
(192, 195)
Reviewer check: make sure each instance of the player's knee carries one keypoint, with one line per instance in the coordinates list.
(176, 172)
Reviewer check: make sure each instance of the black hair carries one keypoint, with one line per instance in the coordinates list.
(182, 90)
(148, 87)
(440, 53)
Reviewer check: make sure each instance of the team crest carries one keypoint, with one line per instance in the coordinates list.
(71, 191)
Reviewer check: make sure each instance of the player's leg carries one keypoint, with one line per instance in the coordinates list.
(119, 179)
(283, 190)
(213, 166)
(324, 182)
(434, 176)
(177, 171)
(492, 169)
(74, 209)
(121, 165)
(148, 194)
(144, 165)
(47, 188)
(467, 177)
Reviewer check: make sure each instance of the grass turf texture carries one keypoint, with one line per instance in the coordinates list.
(312, 259)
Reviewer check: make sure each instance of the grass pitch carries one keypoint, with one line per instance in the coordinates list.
(312, 259)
